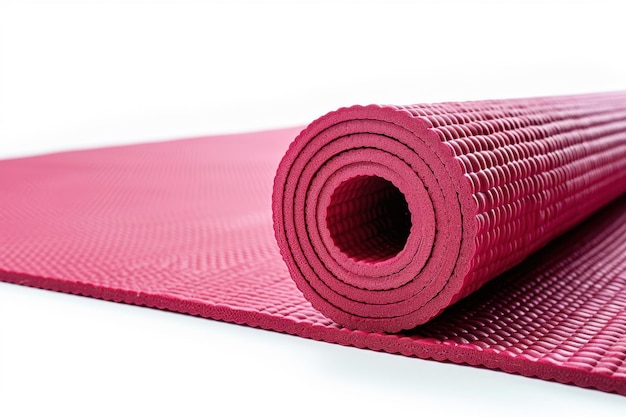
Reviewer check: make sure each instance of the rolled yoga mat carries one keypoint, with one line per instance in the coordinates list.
(386, 215)
(455, 231)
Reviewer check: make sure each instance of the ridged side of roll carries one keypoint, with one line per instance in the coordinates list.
(386, 215)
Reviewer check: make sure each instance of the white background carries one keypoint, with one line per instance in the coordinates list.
(80, 74)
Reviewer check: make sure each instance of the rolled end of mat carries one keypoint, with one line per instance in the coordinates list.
(386, 215)
(374, 218)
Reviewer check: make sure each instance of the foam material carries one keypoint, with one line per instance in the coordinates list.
(386, 215)
(379, 203)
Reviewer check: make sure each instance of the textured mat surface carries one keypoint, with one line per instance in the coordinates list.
(387, 215)
(187, 226)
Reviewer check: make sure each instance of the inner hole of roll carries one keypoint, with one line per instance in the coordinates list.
(368, 219)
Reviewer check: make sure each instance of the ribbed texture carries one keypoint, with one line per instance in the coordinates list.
(484, 183)
(536, 168)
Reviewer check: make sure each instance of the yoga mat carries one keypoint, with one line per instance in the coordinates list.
(386, 215)
(490, 233)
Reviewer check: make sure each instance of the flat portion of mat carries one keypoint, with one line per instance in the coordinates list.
(187, 226)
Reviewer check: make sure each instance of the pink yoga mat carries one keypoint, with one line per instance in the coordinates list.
(491, 233)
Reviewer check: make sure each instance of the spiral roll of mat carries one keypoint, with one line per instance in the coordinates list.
(386, 215)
